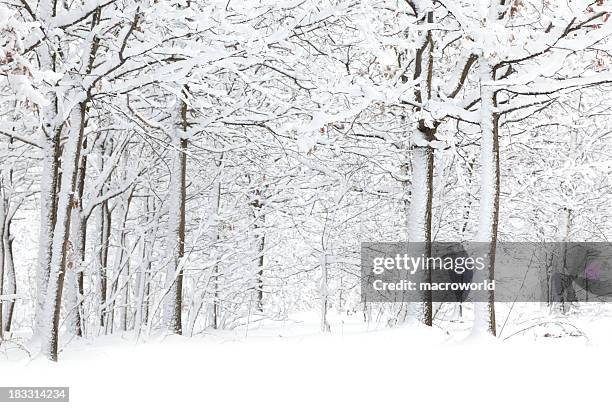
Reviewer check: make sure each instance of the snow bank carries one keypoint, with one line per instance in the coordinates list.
(290, 365)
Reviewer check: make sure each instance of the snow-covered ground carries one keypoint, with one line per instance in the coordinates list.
(552, 361)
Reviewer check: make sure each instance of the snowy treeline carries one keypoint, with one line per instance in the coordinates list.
(196, 165)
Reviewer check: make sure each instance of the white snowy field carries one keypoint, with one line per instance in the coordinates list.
(552, 361)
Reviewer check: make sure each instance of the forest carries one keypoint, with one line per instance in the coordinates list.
(188, 167)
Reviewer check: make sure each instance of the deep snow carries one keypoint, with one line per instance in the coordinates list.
(290, 364)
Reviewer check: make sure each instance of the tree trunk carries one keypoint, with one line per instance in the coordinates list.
(10, 286)
(143, 282)
(2, 222)
(61, 233)
(215, 235)
(49, 177)
(420, 210)
(484, 313)
(122, 280)
(48, 213)
(175, 242)
(105, 222)
(74, 273)
(260, 246)
(105, 230)
(420, 215)
(324, 292)
(78, 237)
